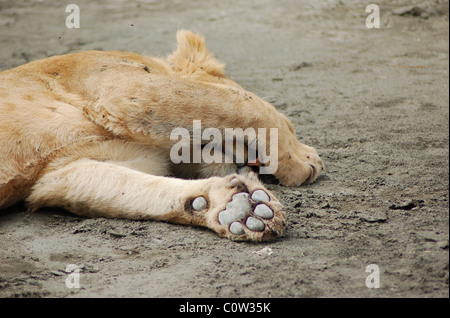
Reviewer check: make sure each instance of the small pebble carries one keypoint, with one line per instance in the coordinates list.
(58, 273)
(90, 268)
(443, 244)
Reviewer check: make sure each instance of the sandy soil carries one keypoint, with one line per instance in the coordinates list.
(374, 102)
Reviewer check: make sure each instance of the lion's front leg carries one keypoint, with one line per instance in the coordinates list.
(237, 207)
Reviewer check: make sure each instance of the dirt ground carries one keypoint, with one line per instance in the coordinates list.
(373, 102)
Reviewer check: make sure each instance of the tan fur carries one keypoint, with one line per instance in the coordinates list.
(90, 132)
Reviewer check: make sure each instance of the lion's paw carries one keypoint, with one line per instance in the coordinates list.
(249, 215)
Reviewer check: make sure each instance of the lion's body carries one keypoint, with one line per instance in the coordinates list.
(67, 120)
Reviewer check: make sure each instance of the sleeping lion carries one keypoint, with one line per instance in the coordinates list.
(102, 134)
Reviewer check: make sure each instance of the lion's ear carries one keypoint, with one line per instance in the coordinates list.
(192, 55)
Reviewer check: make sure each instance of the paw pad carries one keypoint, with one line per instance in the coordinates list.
(235, 209)
(239, 212)
(260, 195)
(199, 203)
(254, 224)
(237, 228)
(263, 211)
